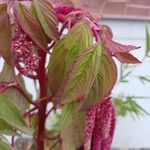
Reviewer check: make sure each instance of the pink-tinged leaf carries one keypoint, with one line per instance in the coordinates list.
(114, 47)
(104, 82)
(7, 74)
(127, 58)
(30, 25)
(5, 34)
(105, 32)
(47, 17)
(64, 53)
(3, 88)
(111, 46)
(81, 75)
(100, 138)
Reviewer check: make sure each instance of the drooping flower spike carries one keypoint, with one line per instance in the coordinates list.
(100, 125)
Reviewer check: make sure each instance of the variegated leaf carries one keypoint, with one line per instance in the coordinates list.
(30, 25)
(81, 75)
(47, 17)
(72, 126)
(127, 58)
(104, 82)
(5, 34)
(64, 52)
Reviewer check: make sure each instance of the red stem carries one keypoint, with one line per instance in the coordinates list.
(42, 106)
(50, 111)
(28, 113)
(12, 141)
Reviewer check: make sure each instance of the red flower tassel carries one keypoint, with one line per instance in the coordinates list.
(100, 125)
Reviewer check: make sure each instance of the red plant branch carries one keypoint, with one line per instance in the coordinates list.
(12, 141)
(28, 113)
(53, 108)
(42, 78)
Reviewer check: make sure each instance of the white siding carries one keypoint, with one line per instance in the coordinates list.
(133, 133)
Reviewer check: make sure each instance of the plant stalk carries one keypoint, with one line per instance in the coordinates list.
(42, 78)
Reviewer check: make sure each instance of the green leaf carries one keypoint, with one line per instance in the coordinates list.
(125, 72)
(7, 129)
(47, 17)
(4, 146)
(8, 75)
(30, 24)
(52, 144)
(81, 75)
(56, 67)
(5, 34)
(11, 114)
(144, 79)
(129, 105)
(72, 127)
(64, 52)
(120, 106)
(79, 37)
(104, 82)
(147, 41)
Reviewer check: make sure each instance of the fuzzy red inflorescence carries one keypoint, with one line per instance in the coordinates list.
(25, 60)
(100, 125)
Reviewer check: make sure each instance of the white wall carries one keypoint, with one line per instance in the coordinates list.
(133, 133)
